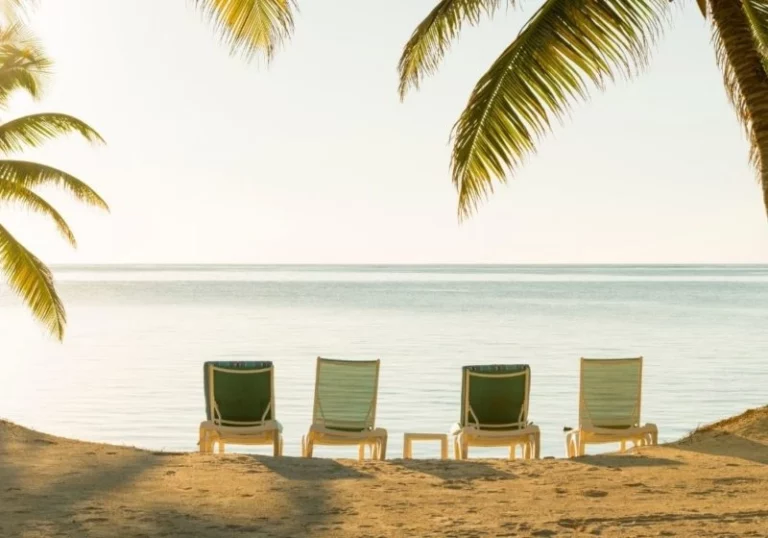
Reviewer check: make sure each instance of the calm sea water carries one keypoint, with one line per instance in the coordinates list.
(130, 370)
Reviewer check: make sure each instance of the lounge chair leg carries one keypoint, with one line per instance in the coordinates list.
(537, 446)
(202, 440)
(623, 446)
(276, 442)
(383, 448)
(582, 446)
(307, 445)
(655, 437)
(361, 451)
(456, 449)
(512, 451)
(221, 447)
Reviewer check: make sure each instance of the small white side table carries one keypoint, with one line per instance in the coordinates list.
(409, 438)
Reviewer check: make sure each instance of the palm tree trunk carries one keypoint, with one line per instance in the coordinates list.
(750, 76)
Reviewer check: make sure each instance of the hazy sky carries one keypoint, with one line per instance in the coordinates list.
(314, 159)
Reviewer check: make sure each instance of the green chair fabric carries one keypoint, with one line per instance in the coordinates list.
(610, 392)
(241, 398)
(345, 394)
(497, 400)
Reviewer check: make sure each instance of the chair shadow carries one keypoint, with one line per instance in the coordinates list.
(725, 444)
(448, 470)
(307, 469)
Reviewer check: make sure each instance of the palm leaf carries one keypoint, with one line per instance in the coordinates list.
(566, 48)
(23, 63)
(30, 278)
(744, 113)
(30, 175)
(33, 130)
(757, 14)
(702, 7)
(250, 27)
(10, 191)
(15, 10)
(430, 41)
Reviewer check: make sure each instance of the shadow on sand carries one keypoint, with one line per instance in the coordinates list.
(70, 494)
(465, 470)
(621, 461)
(725, 444)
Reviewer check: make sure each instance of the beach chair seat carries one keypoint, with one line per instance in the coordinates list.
(610, 397)
(239, 406)
(494, 411)
(344, 411)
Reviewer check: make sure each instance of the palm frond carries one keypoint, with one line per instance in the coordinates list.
(16, 10)
(702, 7)
(30, 278)
(430, 41)
(250, 27)
(33, 130)
(12, 192)
(757, 14)
(745, 113)
(568, 47)
(30, 175)
(23, 62)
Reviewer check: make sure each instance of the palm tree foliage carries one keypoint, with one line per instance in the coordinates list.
(24, 66)
(250, 27)
(567, 49)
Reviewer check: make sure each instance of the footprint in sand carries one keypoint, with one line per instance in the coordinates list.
(595, 493)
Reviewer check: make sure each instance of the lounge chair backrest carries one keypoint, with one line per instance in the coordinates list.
(239, 393)
(345, 394)
(495, 397)
(610, 392)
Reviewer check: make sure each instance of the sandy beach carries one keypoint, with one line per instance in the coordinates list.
(713, 483)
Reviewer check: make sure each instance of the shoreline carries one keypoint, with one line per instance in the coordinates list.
(713, 482)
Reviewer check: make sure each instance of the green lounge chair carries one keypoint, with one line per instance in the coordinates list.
(609, 406)
(494, 410)
(345, 408)
(239, 406)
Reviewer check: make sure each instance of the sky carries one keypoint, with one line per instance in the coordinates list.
(313, 159)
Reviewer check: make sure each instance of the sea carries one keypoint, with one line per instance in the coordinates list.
(130, 370)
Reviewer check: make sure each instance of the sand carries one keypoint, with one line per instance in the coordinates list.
(714, 483)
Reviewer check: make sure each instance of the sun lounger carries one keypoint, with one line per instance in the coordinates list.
(239, 406)
(494, 411)
(609, 406)
(345, 408)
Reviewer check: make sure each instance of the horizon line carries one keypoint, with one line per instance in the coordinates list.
(403, 264)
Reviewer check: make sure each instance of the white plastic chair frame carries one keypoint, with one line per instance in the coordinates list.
(222, 432)
(320, 433)
(588, 434)
(516, 434)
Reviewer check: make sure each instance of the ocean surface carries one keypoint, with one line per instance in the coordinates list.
(130, 369)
